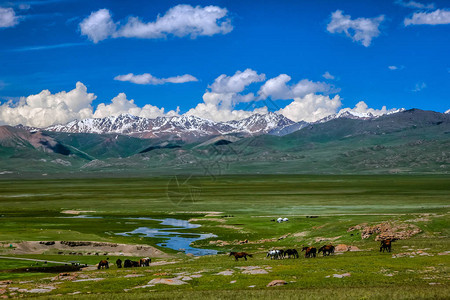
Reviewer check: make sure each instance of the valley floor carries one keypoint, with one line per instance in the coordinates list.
(238, 212)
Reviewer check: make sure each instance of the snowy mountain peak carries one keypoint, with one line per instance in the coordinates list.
(184, 127)
(351, 114)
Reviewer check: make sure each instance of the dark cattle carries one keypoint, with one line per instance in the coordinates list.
(386, 245)
(145, 262)
(327, 250)
(103, 264)
(291, 252)
(119, 263)
(240, 255)
(309, 252)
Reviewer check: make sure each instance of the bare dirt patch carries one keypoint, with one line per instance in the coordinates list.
(207, 219)
(77, 212)
(231, 227)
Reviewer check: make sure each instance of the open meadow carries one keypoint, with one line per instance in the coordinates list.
(180, 219)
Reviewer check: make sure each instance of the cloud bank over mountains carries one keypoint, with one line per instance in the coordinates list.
(311, 101)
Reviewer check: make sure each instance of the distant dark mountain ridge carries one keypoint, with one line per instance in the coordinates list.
(411, 141)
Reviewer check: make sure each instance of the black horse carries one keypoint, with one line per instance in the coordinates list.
(291, 252)
(119, 263)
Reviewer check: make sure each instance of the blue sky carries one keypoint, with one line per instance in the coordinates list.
(399, 57)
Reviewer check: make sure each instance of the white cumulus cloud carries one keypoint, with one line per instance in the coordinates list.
(311, 108)
(237, 82)
(147, 78)
(437, 17)
(98, 26)
(180, 21)
(277, 88)
(45, 109)
(224, 93)
(361, 30)
(121, 105)
(8, 17)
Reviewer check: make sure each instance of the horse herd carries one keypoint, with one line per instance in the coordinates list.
(143, 262)
(288, 253)
(310, 252)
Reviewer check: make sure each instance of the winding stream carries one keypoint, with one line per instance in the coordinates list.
(175, 237)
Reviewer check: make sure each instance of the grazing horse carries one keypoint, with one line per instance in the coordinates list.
(103, 264)
(309, 251)
(119, 263)
(327, 250)
(240, 255)
(145, 262)
(386, 245)
(275, 254)
(290, 252)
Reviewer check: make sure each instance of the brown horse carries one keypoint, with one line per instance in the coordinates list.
(103, 264)
(240, 255)
(309, 251)
(386, 245)
(145, 262)
(327, 250)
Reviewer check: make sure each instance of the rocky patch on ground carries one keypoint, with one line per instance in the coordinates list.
(276, 283)
(339, 275)
(168, 281)
(387, 230)
(411, 254)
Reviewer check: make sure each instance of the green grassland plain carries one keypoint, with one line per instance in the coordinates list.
(31, 210)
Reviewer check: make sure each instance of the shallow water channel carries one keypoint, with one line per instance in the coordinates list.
(175, 237)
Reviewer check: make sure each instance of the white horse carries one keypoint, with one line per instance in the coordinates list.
(275, 254)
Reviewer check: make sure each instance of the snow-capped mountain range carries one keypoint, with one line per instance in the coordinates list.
(192, 127)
